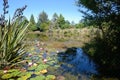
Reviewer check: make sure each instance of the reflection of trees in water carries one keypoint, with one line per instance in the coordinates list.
(76, 62)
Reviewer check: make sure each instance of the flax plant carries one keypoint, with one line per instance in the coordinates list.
(12, 33)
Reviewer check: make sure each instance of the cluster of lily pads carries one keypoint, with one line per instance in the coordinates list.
(15, 74)
(32, 67)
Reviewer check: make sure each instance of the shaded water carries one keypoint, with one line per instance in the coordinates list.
(76, 63)
(79, 63)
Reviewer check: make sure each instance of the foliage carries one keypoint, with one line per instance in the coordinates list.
(61, 21)
(32, 20)
(1, 72)
(79, 25)
(44, 26)
(25, 77)
(41, 77)
(43, 17)
(43, 22)
(55, 17)
(50, 77)
(32, 68)
(54, 21)
(11, 36)
(33, 27)
(101, 11)
(11, 73)
(16, 74)
(105, 14)
(12, 48)
(41, 67)
(66, 25)
(6, 76)
(33, 24)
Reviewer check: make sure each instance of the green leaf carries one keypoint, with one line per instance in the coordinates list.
(40, 77)
(32, 68)
(6, 76)
(50, 77)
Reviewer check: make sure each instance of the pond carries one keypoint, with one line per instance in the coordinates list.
(70, 63)
(52, 58)
(73, 62)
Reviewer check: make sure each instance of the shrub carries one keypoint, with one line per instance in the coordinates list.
(11, 36)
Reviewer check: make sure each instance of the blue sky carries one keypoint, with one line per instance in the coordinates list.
(65, 7)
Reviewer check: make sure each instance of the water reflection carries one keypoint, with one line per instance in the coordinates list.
(71, 63)
(77, 63)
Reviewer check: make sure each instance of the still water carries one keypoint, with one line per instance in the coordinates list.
(73, 63)
(76, 63)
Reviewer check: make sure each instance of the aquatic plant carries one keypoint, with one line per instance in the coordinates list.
(43, 71)
(12, 73)
(1, 72)
(25, 77)
(11, 79)
(50, 77)
(6, 76)
(41, 67)
(32, 68)
(40, 77)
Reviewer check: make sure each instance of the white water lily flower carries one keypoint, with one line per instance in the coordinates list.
(57, 51)
(30, 64)
(34, 64)
(5, 71)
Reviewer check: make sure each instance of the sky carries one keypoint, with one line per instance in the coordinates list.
(65, 7)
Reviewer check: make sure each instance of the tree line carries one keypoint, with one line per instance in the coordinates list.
(57, 22)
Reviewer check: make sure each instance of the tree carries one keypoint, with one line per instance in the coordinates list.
(55, 17)
(33, 24)
(43, 22)
(44, 26)
(79, 25)
(32, 20)
(43, 17)
(54, 23)
(72, 23)
(99, 11)
(105, 14)
(66, 25)
(61, 21)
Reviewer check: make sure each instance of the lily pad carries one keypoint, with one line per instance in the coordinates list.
(25, 73)
(41, 77)
(25, 77)
(14, 74)
(13, 70)
(50, 77)
(41, 67)
(11, 79)
(37, 73)
(1, 72)
(32, 68)
(6, 76)
(43, 71)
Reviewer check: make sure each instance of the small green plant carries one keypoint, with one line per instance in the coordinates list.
(12, 33)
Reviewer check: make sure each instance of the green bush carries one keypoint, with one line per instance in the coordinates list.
(12, 34)
(11, 37)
